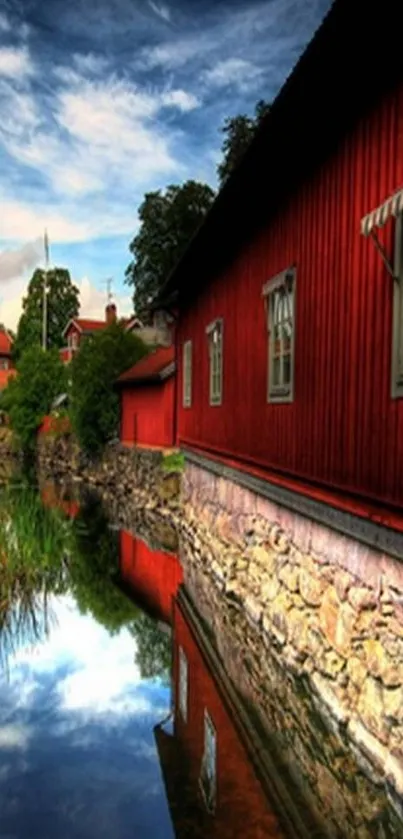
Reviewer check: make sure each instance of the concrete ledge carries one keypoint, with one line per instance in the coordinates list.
(376, 536)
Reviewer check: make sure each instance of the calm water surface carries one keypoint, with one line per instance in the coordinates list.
(136, 702)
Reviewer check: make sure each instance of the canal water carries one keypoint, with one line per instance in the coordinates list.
(134, 701)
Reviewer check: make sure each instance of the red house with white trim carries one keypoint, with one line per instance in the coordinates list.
(147, 396)
(6, 346)
(290, 336)
(78, 329)
(208, 773)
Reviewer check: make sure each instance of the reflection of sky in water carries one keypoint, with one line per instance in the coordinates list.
(77, 754)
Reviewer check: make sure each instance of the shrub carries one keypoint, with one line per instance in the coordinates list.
(94, 400)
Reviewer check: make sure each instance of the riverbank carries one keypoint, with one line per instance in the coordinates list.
(337, 627)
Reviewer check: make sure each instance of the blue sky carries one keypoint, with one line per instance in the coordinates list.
(102, 102)
(77, 749)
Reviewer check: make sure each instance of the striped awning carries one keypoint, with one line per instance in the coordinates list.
(377, 218)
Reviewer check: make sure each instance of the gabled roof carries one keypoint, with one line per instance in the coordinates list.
(85, 325)
(353, 58)
(6, 342)
(155, 367)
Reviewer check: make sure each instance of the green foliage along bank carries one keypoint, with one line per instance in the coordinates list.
(28, 397)
(94, 370)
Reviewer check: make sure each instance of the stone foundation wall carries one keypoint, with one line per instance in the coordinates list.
(137, 473)
(329, 608)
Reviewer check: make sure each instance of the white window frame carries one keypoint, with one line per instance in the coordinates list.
(215, 332)
(208, 771)
(187, 374)
(281, 391)
(397, 315)
(183, 684)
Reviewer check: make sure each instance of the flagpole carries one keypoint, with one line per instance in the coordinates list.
(45, 297)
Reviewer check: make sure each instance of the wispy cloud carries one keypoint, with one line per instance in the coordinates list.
(5, 25)
(180, 99)
(15, 62)
(161, 10)
(233, 71)
(14, 262)
(14, 736)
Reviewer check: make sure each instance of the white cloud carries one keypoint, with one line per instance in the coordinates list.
(92, 300)
(233, 71)
(180, 99)
(161, 10)
(15, 62)
(14, 736)
(15, 262)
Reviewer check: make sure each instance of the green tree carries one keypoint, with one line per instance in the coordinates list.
(153, 648)
(94, 568)
(167, 223)
(94, 401)
(238, 132)
(62, 304)
(28, 397)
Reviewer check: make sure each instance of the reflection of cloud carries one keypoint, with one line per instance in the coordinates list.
(14, 737)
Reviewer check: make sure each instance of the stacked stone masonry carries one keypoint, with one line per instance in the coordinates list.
(330, 608)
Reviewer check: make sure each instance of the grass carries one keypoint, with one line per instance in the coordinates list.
(174, 462)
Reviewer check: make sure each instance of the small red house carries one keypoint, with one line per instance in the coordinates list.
(290, 336)
(209, 778)
(78, 329)
(151, 576)
(6, 345)
(147, 393)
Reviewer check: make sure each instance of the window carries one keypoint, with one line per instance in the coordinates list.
(183, 684)
(187, 374)
(215, 333)
(3, 363)
(280, 305)
(397, 331)
(208, 774)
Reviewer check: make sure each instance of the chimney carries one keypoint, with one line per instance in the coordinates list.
(110, 313)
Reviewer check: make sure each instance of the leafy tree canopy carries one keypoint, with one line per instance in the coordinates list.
(94, 402)
(94, 565)
(28, 397)
(153, 649)
(238, 132)
(168, 220)
(62, 304)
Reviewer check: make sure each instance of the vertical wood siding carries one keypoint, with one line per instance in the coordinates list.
(240, 796)
(147, 414)
(343, 430)
(154, 576)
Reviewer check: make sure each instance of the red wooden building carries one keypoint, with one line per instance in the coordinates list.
(78, 329)
(151, 576)
(147, 393)
(6, 345)
(208, 773)
(290, 335)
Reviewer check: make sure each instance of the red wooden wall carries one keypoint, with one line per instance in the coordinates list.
(147, 414)
(153, 575)
(343, 430)
(240, 803)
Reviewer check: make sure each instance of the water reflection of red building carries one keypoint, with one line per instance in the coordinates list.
(212, 787)
(151, 576)
(58, 497)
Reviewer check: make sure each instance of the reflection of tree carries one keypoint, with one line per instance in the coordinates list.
(153, 648)
(94, 566)
(33, 545)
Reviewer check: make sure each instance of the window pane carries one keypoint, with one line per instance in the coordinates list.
(276, 372)
(287, 369)
(183, 684)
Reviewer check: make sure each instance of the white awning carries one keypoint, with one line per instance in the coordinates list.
(377, 218)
